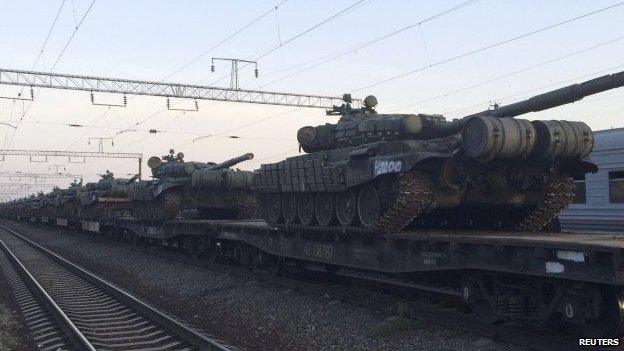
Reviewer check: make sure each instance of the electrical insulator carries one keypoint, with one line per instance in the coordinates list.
(196, 106)
(212, 68)
(153, 131)
(256, 72)
(125, 100)
(168, 104)
(112, 143)
(92, 97)
(32, 93)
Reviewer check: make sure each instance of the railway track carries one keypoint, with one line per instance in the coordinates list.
(68, 308)
(429, 304)
(446, 311)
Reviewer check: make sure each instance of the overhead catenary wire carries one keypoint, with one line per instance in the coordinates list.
(297, 36)
(39, 54)
(224, 40)
(487, 47)
(507, 75)
(71, 37)
(344, 52)
(58, 59)
(533, 90)
(273, 49)
(306, 31)
(61, 54)
(94, 123)
(336, 55)
(204, 53)
(47, 38)
(155, 131)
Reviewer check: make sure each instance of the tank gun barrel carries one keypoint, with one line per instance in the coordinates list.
(131, 180)
(562, 96)
(233, 161)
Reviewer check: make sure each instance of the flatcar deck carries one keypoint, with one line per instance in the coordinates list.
(605, 241)
(579, 257)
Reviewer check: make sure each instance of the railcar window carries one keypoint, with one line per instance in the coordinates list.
(580, 191)
(616, 187)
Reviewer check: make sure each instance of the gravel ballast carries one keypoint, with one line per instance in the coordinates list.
(251, 314)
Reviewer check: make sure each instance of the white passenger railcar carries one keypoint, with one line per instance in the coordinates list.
(599, 202)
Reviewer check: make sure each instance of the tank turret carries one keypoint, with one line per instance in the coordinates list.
(485, 134)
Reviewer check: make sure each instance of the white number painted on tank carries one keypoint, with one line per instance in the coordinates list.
(387, 166)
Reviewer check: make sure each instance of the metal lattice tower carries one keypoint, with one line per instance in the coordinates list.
(174, 90)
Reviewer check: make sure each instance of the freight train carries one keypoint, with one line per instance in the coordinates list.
(466, 207)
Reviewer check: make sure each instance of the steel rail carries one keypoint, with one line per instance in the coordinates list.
(75, 335)
(194, 337)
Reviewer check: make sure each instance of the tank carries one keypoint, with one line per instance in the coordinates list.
(208, 190)
(385, 172)
(107, 198)
(68, 202)
(52, 202)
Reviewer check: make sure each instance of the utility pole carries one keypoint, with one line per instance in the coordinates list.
(234, 73)
(101, 143)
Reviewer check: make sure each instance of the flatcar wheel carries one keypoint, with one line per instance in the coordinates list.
(610, 323)
(289, 208)
(475, 296)
(305, 209)
(324, 209)
(244, 255)
(368, 206)
(214, 254)
(273, 208)
(276, 266)
(346, 208)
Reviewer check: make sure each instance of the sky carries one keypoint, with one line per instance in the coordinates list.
(449, 57)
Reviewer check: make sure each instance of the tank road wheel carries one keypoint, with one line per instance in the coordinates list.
(346, 207)
(305, 208)
(272, 208)
(324, 209)
(368, 206)
(289, 208)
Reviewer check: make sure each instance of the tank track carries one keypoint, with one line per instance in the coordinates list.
(249, 209)
(414, 197)
(559, 195)
(172, 203)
